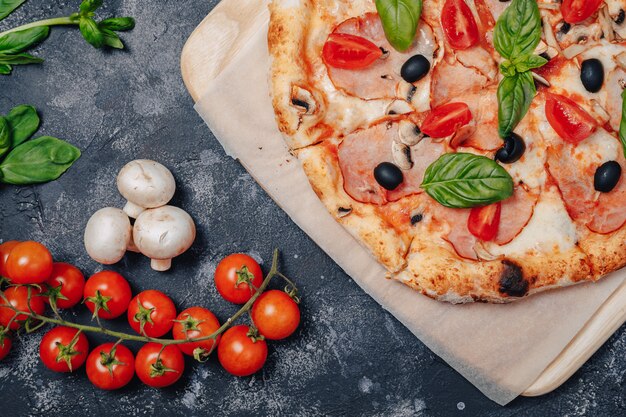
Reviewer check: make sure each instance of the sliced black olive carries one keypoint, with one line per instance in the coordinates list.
(416, 219)
(545, 56)
(620, 17)
(512, 150)
(565, 27)
(388, 176)
(415, 68)
(607, 176)
(592, 75)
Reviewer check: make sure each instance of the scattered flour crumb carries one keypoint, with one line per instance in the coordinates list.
(460, 406)
(365, 385)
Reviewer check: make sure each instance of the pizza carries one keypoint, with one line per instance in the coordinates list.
(475, 147)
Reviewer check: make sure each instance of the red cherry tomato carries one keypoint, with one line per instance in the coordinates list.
(110, 292)
(483, 222)
(444, 120)
(18, 298)
(62, 351)
(275, 314)
(5, 250)
(342, 50)
(193, 323)
(159, 371)
(239, 354)
(151, 313)
(29, 263)
(572, 123)
(458, 24)
(5, 345)
(68, 282)
(575, 11)
(108, 369)
(233, 275)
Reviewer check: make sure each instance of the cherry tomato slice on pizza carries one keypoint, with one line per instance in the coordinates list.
(570, 121)
(575, 11)
(459, 25)
(445, 120)
(346, 51)
(483, 222)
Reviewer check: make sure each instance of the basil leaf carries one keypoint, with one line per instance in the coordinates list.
(111, 39)
(19, 59)
(530, 62)
(21, 40)
(464, 180)
(5, 69)
(515, 94)
(24, 122)
(7, 7)
(37, 161)
(622, 126)
(90, 31)
(90, 6)
(118, 23)
(5, 136)
(399, 19)
(518, 30)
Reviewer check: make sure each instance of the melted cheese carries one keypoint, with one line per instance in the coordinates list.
(597, 149)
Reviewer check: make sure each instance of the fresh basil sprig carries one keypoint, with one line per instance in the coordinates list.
(5, 136)
(400, 19)
(516, 35)
(464, 180)
(622, 126)
(97, 34)
(24, 122)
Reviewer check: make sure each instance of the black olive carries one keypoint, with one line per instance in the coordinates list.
(592, 75)
(416, 219)
(512, 150)
(388, 175)
(607, 176)
(620, 17)
(415, 68)
(565, 27)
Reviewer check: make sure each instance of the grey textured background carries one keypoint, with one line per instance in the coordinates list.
(349, 357)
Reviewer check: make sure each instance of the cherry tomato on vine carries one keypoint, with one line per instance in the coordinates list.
(5, 250)
(161, 370)
(63, 349)
(240, 352)
(275, 314)
(18, 298)
(151, 313)
(109, 293)
(233, 277)
(29, 263)
(67, 283)
(110, 367)
(193, 323)
(5, 345)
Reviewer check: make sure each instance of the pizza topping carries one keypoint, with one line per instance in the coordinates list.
(607, 176)
(388, 175)
(303, 100)
(399, 19)
(346, 51)
(401, 155)
(409, 133)
(512, 150)
(570, 121)
(343, 211)
(415, 68)
(459, 25)
(447, 119)
(592, 75)
(516, 213)
(483, 222)
(576, 11)
(610, 213)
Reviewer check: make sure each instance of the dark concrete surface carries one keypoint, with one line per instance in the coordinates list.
(349, 356)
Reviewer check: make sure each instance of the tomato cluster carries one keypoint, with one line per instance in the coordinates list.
(36, 281)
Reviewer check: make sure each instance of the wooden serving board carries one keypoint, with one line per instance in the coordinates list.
(211, 47)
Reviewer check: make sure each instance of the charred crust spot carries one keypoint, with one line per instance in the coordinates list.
(512, 280)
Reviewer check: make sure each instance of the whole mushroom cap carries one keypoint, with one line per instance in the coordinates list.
(163, 233)
(145, 184)
(107, 235)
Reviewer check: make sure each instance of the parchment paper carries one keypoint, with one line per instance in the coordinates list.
(501, 349)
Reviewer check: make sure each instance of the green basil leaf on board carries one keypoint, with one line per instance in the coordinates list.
(7, 7)
(118, 23)
(515, 94)
(90, 31)
(111, 39)
(19, 41)
(464, 180)
(19, 59)
(5, 69)
(518, 30)
(37, 161)
(24, 122)
(5, 136)
(622, 126)
(400, 19)
(90, 6)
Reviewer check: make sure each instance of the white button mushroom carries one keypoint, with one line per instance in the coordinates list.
(108, 235)
(145, 184)
(162, 234)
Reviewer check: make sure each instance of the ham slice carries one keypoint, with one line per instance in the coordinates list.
(459, 235)
(610, 213)
(484, 108)
(516, 213)
(381, 79)
(451, 80)
(614, 86)
(362, 151)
